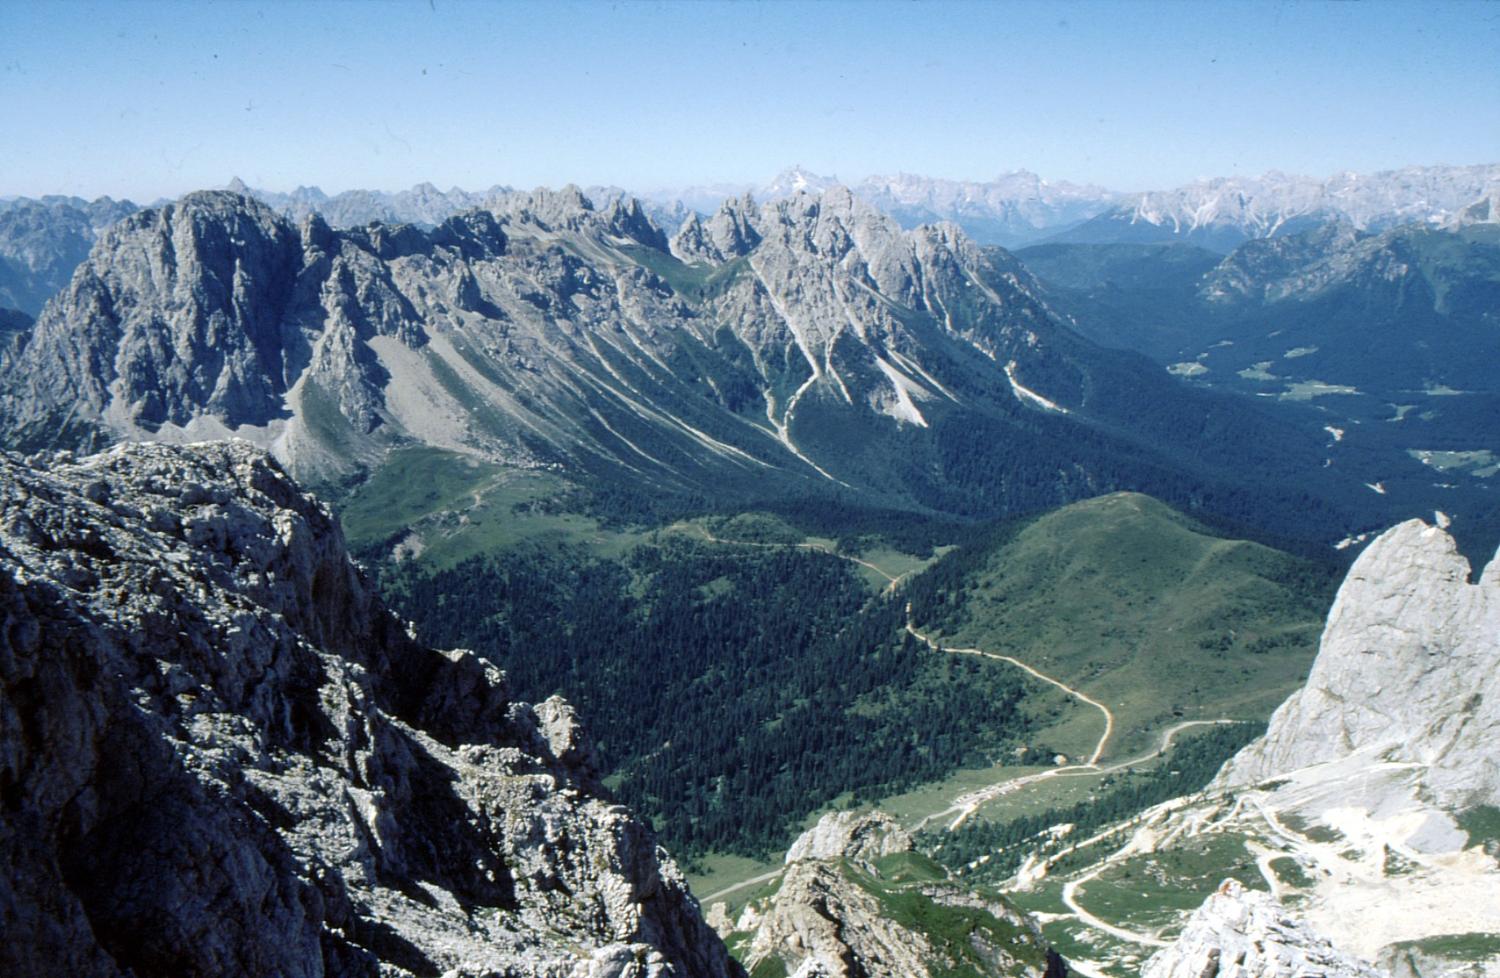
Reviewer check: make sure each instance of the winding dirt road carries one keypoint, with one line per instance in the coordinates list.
(1109, 718)
(967, 804)
(752, 881)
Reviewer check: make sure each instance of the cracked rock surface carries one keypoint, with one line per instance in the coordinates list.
(1240, 933)
(221, 755)
(857, 902)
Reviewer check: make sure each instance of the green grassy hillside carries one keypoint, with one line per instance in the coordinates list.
(743, 671)
(1138, 606)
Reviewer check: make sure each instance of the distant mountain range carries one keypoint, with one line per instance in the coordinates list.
(1014, 209)
(1384, 338)
(1409, 308)
(41, 241)
(1222, 213)
(807, 345)
(1020, 208)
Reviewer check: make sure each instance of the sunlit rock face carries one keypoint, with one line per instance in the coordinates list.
(1240, 933)
(1408, 672)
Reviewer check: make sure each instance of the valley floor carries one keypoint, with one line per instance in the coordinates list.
(950, 803)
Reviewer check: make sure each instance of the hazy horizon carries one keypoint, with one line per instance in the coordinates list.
(153, 99)
(728, 186)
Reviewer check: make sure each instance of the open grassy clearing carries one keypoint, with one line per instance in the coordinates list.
(1459, 947)
(1138, 606)
(445, 507)
(911, 807)
(1151, 892)
(1091, 952)
(724, 878)
(880, 566)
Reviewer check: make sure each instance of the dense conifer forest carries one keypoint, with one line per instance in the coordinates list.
(732, 691)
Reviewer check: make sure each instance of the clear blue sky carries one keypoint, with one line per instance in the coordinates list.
(146, 99)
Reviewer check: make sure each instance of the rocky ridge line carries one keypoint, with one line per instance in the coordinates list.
(844, 909)
(221, 755)
(1240, 933)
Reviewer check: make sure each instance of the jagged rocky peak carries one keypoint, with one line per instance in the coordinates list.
(1267, 269)
(831, 293)
(805, 234)
(570, 209)
(729, 234)
(223, 756)
(1485, 210)
(797, 179)
(824, 225)
(1241, 933)
(214, 316)
(192, 278)
(199, 317)
(626, 217)
(1408, 670)
(861, 836)
(546, 209)
(848, 245)
(831, 918)
(841, 227)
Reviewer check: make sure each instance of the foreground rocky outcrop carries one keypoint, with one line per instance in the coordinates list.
(855, 901)
(1240, 933)
(221, 755)
(1408, 672)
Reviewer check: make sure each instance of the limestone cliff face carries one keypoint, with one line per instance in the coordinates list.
(1240, 933)
(220, 755)
(1408, 670)
(834, 281)
(488, 334)
(806, 342)
(862, 837)
(533, 329)
(856, 902)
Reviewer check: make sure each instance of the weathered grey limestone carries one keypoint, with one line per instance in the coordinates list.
(1408, 670)
(221, 755)
(1240, 933)
(834, 914)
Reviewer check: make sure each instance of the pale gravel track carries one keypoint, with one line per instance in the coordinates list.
(1070, 901)
(1109, 718)
(752, 881)
(965, 805)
